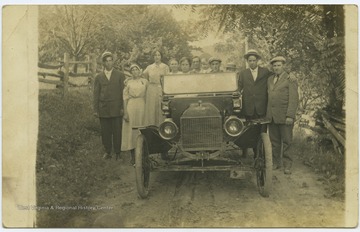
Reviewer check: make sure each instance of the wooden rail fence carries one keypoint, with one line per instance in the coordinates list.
(64, 72)
(328, 126)
(336, 126)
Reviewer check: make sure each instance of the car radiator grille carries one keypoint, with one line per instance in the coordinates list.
(203, 133)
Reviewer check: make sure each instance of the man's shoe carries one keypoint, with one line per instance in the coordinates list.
(287, 171)
(132, 158)
(107, 156)
(132, 161)
(117, 156)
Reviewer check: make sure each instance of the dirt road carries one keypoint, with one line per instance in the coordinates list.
(212, 199)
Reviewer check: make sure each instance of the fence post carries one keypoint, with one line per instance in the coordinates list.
(93, 68)
(66, 74)
(87, 66)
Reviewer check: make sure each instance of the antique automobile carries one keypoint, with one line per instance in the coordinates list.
(201, 131)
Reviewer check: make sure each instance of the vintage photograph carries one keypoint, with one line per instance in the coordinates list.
(193, 116)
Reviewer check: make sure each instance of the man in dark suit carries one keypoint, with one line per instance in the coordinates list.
(108, 105)
(253, 84)
(282, 104)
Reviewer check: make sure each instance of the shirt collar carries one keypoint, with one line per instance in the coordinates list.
(106, 71)
(254, 70)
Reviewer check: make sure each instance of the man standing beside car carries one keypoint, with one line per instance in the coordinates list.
(281, 110)
(108, 105)
(253, 84)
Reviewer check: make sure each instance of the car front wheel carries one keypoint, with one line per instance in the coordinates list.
(263, 165)
(142, 166)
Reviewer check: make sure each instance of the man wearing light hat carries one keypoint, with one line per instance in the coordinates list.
(283, 100)
(230, 67)
(108, 105)
(215, 63)
(253, 84)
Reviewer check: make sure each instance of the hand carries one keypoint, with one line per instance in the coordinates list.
(292, 78)
(126, 117)
(289, 121)
(96, 115)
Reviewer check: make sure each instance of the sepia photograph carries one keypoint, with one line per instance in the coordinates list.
(180, 116)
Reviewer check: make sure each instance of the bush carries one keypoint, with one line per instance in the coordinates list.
(317, 152)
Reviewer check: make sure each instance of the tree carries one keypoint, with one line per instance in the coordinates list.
(131, 32)
(70, 28)
(311, 37)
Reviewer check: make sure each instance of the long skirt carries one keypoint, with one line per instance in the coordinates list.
(136, 113)
(153, 111)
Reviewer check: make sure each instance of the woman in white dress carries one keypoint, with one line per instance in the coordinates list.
(153, 73)
(134, 109)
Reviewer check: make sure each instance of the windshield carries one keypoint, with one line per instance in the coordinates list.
(200, 83)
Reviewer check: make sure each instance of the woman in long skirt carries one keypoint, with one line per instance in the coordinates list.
(153, 73)
(134, 110)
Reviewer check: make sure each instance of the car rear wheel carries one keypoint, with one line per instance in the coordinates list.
(142, 166)
(263, 165)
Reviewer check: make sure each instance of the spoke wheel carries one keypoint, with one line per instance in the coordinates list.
(263, 165)
(142, 167)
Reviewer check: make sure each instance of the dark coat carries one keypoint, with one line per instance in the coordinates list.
(283, 98)
(254, 94)
(108, 94)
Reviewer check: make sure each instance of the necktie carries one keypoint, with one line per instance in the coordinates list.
(276, 78)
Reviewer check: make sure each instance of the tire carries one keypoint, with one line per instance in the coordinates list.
(142, 167)
(263, 165)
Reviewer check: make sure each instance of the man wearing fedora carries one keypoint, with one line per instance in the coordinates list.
(253, 84)
(230, 67)
(281, 110)
(108, 105)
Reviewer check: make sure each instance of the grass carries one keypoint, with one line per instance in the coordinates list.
(318, 153)
(64, 166)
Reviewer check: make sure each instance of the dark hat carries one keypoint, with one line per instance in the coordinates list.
(278, 58)
(106, 54)
(214, 59)
(252, 52)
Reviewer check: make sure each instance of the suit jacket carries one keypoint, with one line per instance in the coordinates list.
(108, 94)
(283, 98)
(254, 94)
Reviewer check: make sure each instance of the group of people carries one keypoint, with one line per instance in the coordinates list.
(194, 65)
(271, 95)
(122, 105)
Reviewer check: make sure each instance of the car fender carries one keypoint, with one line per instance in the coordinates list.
(155, 143)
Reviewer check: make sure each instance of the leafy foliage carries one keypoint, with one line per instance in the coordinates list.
(309, 36)
(131, 32)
